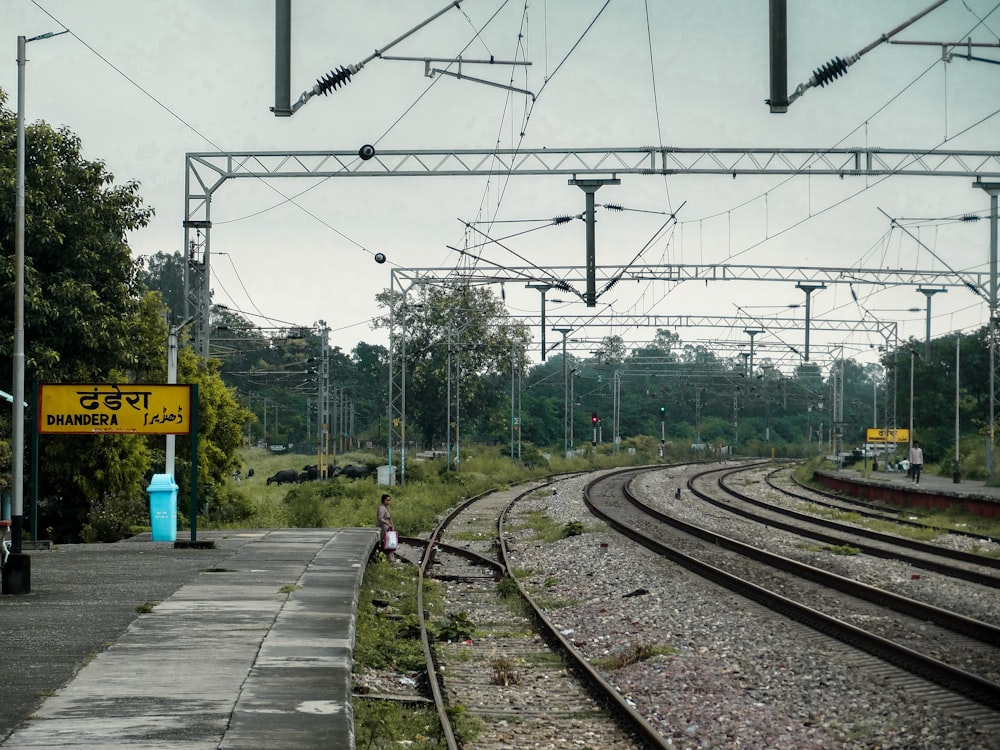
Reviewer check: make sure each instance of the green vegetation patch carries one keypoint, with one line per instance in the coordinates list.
(456, 628)
(544, 528)
(632, 653)
(844, 549)
(472, 536)
(389, 724)
(387, 609)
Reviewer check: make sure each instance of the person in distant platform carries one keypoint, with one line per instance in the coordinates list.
(383, 519)
(916, 462)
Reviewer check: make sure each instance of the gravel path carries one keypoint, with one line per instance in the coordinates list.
(741, 677)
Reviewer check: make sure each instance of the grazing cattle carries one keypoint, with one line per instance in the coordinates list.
(313, 470)
(304, 476)
(249, 473)
(354, 472)
(285, 476)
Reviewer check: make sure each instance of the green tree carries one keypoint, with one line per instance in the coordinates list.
(455, 340)
(84, 316)
(221, 420)
(164, 273)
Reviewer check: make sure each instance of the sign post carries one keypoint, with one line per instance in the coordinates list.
(126, 408)
(885, 436)
(881, 436)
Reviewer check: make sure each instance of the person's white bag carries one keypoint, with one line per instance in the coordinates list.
(391, 541)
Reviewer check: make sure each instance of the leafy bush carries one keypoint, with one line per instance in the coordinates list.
(113, 517)
(458, 627)
(230, 506)
(507, 588)
(306, 506)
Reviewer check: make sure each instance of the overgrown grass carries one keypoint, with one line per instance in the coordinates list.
(954, 519)
(631, 653)
(544, 528)
(845, 549)
(384, 637)
(430, 488)
(385, 724)
(390, 640)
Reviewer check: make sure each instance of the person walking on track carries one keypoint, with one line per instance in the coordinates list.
(383, 519)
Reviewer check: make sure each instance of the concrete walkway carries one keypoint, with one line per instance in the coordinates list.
(249, 646)
(928, 482)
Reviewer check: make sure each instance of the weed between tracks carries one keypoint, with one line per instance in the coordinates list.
(935, 524)
(632, 653)
(387, 638)
(387, 610)
(875, 524)
(842, 549)
(544, 528)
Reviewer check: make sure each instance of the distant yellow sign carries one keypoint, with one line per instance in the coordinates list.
(135, 409)
(882, 435)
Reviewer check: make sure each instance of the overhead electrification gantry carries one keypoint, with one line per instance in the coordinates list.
(206, 173)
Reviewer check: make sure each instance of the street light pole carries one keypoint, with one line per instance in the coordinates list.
(17, 570)
(17, 465)
(912, 360)
(927, 337)
(542, 288)
(566, 423)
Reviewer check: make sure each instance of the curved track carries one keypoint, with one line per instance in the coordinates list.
(524, 681)
(518, 676)
(866, 509)
(672, 538)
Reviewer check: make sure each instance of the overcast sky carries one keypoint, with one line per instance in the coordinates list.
(144, 83)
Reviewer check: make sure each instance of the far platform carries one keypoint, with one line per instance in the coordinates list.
(895, 488)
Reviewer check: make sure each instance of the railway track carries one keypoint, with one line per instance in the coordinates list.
(512, 672)
(731, 672)
(939, 558)
(963, 663)
(782, 479)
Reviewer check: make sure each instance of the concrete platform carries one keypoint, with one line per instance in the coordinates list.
(895, 488)
(248, 645)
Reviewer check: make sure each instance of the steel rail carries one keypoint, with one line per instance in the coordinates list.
(972, 686)
(635, 721)
(432, 542)
(872, 512)
(984, 579)
(973, 628)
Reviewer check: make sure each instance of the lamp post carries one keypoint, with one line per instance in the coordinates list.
(751, 332)
(912, 361)
(927, 337)
(542, 288)
(566, 422)
(172, 347)
(17, 571)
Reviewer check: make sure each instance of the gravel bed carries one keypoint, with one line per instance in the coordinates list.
(770, 495)
(969, 599)
(740, 677)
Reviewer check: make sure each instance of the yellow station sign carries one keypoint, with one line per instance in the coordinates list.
(882, 435)
(88, 409)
